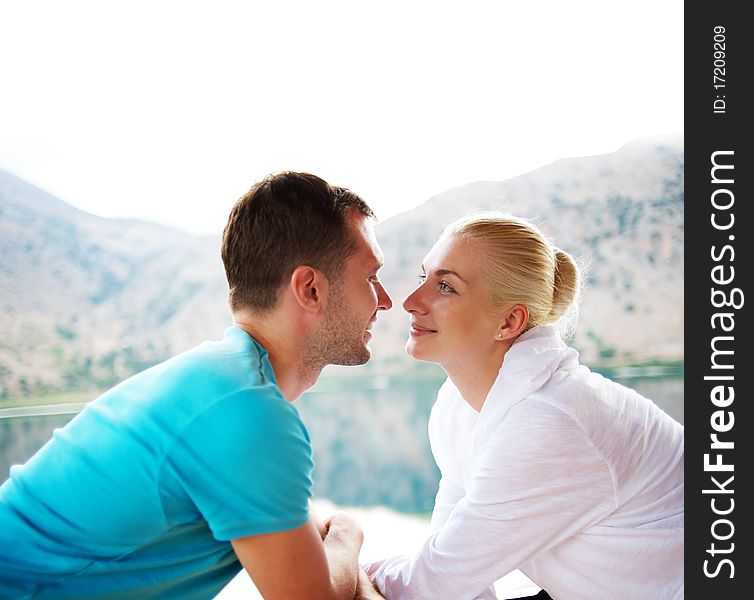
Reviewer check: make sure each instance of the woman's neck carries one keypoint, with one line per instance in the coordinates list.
(474, 378)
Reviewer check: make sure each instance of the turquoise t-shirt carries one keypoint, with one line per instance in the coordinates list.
(139, 495)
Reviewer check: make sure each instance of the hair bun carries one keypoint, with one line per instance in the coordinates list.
(566, 286)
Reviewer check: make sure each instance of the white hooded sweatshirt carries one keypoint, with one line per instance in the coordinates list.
(572, 478)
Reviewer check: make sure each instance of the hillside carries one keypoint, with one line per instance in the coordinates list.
(85, 301)
(620, 214)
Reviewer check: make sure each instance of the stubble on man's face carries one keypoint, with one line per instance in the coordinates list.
(340, 338)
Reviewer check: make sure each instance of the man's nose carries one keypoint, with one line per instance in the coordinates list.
(383, 299)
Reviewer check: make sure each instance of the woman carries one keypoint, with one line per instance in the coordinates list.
(546, 467)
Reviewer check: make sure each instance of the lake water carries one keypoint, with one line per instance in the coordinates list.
(370, 445)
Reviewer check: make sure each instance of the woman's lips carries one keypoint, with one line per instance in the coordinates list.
(416, 330)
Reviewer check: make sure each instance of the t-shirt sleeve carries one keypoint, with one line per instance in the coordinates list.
(245, 464)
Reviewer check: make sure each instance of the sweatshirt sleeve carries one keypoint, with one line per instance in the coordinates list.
(447, 498)
(538, 481)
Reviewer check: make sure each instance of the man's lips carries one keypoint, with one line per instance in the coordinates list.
(419, 330)
(368, 330)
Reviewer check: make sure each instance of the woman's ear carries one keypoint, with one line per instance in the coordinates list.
(516, 319)
(309, 288)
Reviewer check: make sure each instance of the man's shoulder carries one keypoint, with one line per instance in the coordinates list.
(235, 361)
(229, 377)
(230, 372)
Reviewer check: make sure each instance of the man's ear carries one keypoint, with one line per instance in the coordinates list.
(309, 288)
(516, 317)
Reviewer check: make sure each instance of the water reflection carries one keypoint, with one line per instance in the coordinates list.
(370, 445)
(20, 437)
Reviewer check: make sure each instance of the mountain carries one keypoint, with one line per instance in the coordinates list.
(86, 301)
(619, 214)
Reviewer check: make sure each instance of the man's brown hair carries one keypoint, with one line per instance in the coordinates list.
(286, 220)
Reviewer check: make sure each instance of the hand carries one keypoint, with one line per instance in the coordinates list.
(365, 589)
(340, 525)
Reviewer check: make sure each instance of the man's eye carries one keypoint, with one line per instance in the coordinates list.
(374, 279)
(422, 277)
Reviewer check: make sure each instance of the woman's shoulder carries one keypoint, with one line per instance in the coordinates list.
(449, 399)
(605, 409)
(450, 411)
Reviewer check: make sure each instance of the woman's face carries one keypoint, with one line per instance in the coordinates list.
(452, 319)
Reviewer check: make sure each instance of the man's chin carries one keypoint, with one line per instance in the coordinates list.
(358, 356)
(363, 357)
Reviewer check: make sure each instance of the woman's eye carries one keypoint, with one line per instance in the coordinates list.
(444, 287)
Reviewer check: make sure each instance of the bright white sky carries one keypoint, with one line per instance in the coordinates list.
(169, 111)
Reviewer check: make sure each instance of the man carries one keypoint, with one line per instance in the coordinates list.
(163, 484)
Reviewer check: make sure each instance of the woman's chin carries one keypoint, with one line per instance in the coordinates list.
(415, 352)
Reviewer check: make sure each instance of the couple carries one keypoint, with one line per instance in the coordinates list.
(168, 484)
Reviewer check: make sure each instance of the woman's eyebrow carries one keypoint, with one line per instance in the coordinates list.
(443, 272)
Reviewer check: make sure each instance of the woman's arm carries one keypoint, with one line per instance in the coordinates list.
(539, 480)
(448, 496)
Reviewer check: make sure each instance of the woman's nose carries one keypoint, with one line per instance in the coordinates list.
(411, 303)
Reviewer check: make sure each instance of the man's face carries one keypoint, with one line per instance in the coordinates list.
(353, 301)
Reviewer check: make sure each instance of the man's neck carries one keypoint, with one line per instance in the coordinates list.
(285, 349)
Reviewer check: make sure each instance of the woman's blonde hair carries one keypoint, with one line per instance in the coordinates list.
(522, 267)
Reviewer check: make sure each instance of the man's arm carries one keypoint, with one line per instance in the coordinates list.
(298, 564)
